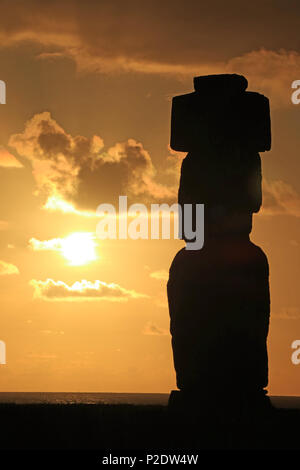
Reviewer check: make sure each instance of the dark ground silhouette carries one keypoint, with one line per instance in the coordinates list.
(137, 427)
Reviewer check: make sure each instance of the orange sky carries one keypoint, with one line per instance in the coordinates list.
(87, 119)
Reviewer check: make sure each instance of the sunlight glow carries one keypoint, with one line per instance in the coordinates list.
(79, 248)
(57, 203)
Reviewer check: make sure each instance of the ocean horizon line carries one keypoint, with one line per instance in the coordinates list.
(112, 398)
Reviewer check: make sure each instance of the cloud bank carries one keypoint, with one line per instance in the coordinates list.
(72, 172)
(166, 38)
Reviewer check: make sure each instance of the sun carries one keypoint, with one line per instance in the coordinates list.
(79, 248)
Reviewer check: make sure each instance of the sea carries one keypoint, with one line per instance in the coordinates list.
(104, 398)
(108, 398)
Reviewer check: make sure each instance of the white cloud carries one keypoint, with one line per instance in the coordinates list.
(78, 247)
(82, 290)
(8, 268)
(51, 332)
(161, 275)
(54, 244)
(7, 160)
(57, 203)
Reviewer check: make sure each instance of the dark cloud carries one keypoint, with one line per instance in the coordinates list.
(170, 31)
(56, 157)
(78, 169)
(259, 39)
(280, 198)
(154, 330)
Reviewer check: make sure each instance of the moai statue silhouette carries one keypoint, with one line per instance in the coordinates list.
(218, 296)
